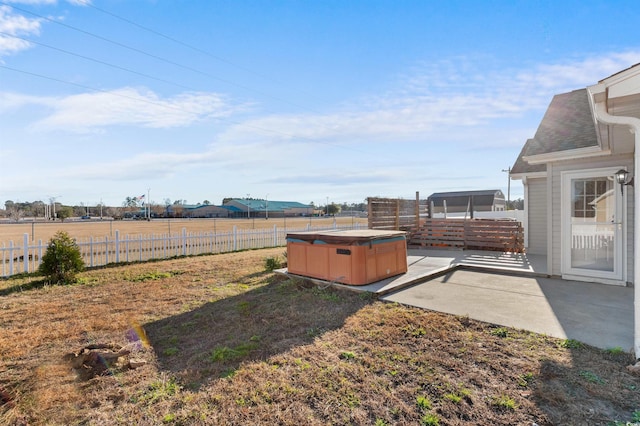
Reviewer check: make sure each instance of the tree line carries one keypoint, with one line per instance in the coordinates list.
(130, 207)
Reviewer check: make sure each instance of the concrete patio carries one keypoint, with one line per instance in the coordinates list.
(426, 264)
(510, 289)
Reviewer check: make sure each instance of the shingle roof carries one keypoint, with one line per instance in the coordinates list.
(568, 124)
(521, 166)
(464, 193)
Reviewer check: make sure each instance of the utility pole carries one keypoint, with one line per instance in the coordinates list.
(52, 200)
(508, 171)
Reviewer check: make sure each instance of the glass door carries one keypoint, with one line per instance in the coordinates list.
(593, 235)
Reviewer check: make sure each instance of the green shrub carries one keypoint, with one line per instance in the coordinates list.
(272, 263)
(62, 260)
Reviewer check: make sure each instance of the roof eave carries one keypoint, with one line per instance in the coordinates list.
(532, 175)
(569, 154)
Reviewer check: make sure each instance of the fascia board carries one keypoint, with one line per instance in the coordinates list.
(621, 76)
(570, 154)
(532, 175)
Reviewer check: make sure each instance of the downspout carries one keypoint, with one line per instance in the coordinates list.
(600, 110)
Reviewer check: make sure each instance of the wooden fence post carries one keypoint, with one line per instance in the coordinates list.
(184, 241)
(417, 224)
(235, 238)
(11, 257)
(25, 253)
(117, 246)
(275, 235)
(91, 251)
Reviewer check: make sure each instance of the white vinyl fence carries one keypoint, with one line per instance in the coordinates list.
(16, 259)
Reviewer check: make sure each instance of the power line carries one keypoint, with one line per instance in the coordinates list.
(181, 43)
(156, 57)
(140, 51)
(98, 61)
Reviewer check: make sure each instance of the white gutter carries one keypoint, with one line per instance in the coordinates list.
(601, 114)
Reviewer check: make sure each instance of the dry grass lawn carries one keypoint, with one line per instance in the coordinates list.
(226, 343)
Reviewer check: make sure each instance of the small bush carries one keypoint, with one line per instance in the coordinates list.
(272, 263)
(62, 260)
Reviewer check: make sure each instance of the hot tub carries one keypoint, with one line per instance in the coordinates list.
(356, 257)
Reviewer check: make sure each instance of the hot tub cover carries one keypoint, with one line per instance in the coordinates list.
(349, 237)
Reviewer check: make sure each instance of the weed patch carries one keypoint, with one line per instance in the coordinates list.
(162, 388)
(592, 377)
(500, 332)
(225, 354)
(571, 344)
(430, 420)
(504, 402)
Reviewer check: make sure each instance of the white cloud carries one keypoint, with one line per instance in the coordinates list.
(577, 74)
(131, 106)
(12, 101)
(14, 24)
(454, 94)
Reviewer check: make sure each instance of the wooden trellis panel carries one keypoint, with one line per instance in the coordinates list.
(474, 234)
(396, 213)
(440, 233)
(497, 235)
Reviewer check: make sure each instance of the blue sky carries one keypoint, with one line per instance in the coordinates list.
(287, 100)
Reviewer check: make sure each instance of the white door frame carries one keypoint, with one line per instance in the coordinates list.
(618, 276)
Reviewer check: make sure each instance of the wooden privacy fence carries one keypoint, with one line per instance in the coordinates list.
(25, 257)
(474, 234)
(396, 213)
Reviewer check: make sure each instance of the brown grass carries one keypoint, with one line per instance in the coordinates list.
(232, 344)
(96, 228)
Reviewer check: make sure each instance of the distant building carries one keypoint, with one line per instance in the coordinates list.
(465, 201)
(267, 208)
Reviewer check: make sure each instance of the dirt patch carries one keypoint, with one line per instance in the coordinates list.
(224, 342)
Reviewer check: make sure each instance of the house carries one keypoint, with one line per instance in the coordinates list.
(267, 208)
(466, 201)
(577, 212)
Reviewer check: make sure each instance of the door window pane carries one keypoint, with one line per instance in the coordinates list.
(592, 224)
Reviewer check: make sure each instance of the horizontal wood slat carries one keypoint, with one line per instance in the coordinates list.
(396, 213)
(477, 234)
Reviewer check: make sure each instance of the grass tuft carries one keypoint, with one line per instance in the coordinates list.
(500, 332)
(504, 402)
(430, 419)
(571, 344)
(423, 402)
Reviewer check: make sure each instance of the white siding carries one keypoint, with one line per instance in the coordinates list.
(537, 216)
(556, 170)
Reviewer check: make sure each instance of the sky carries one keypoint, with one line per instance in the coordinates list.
(308, 101)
